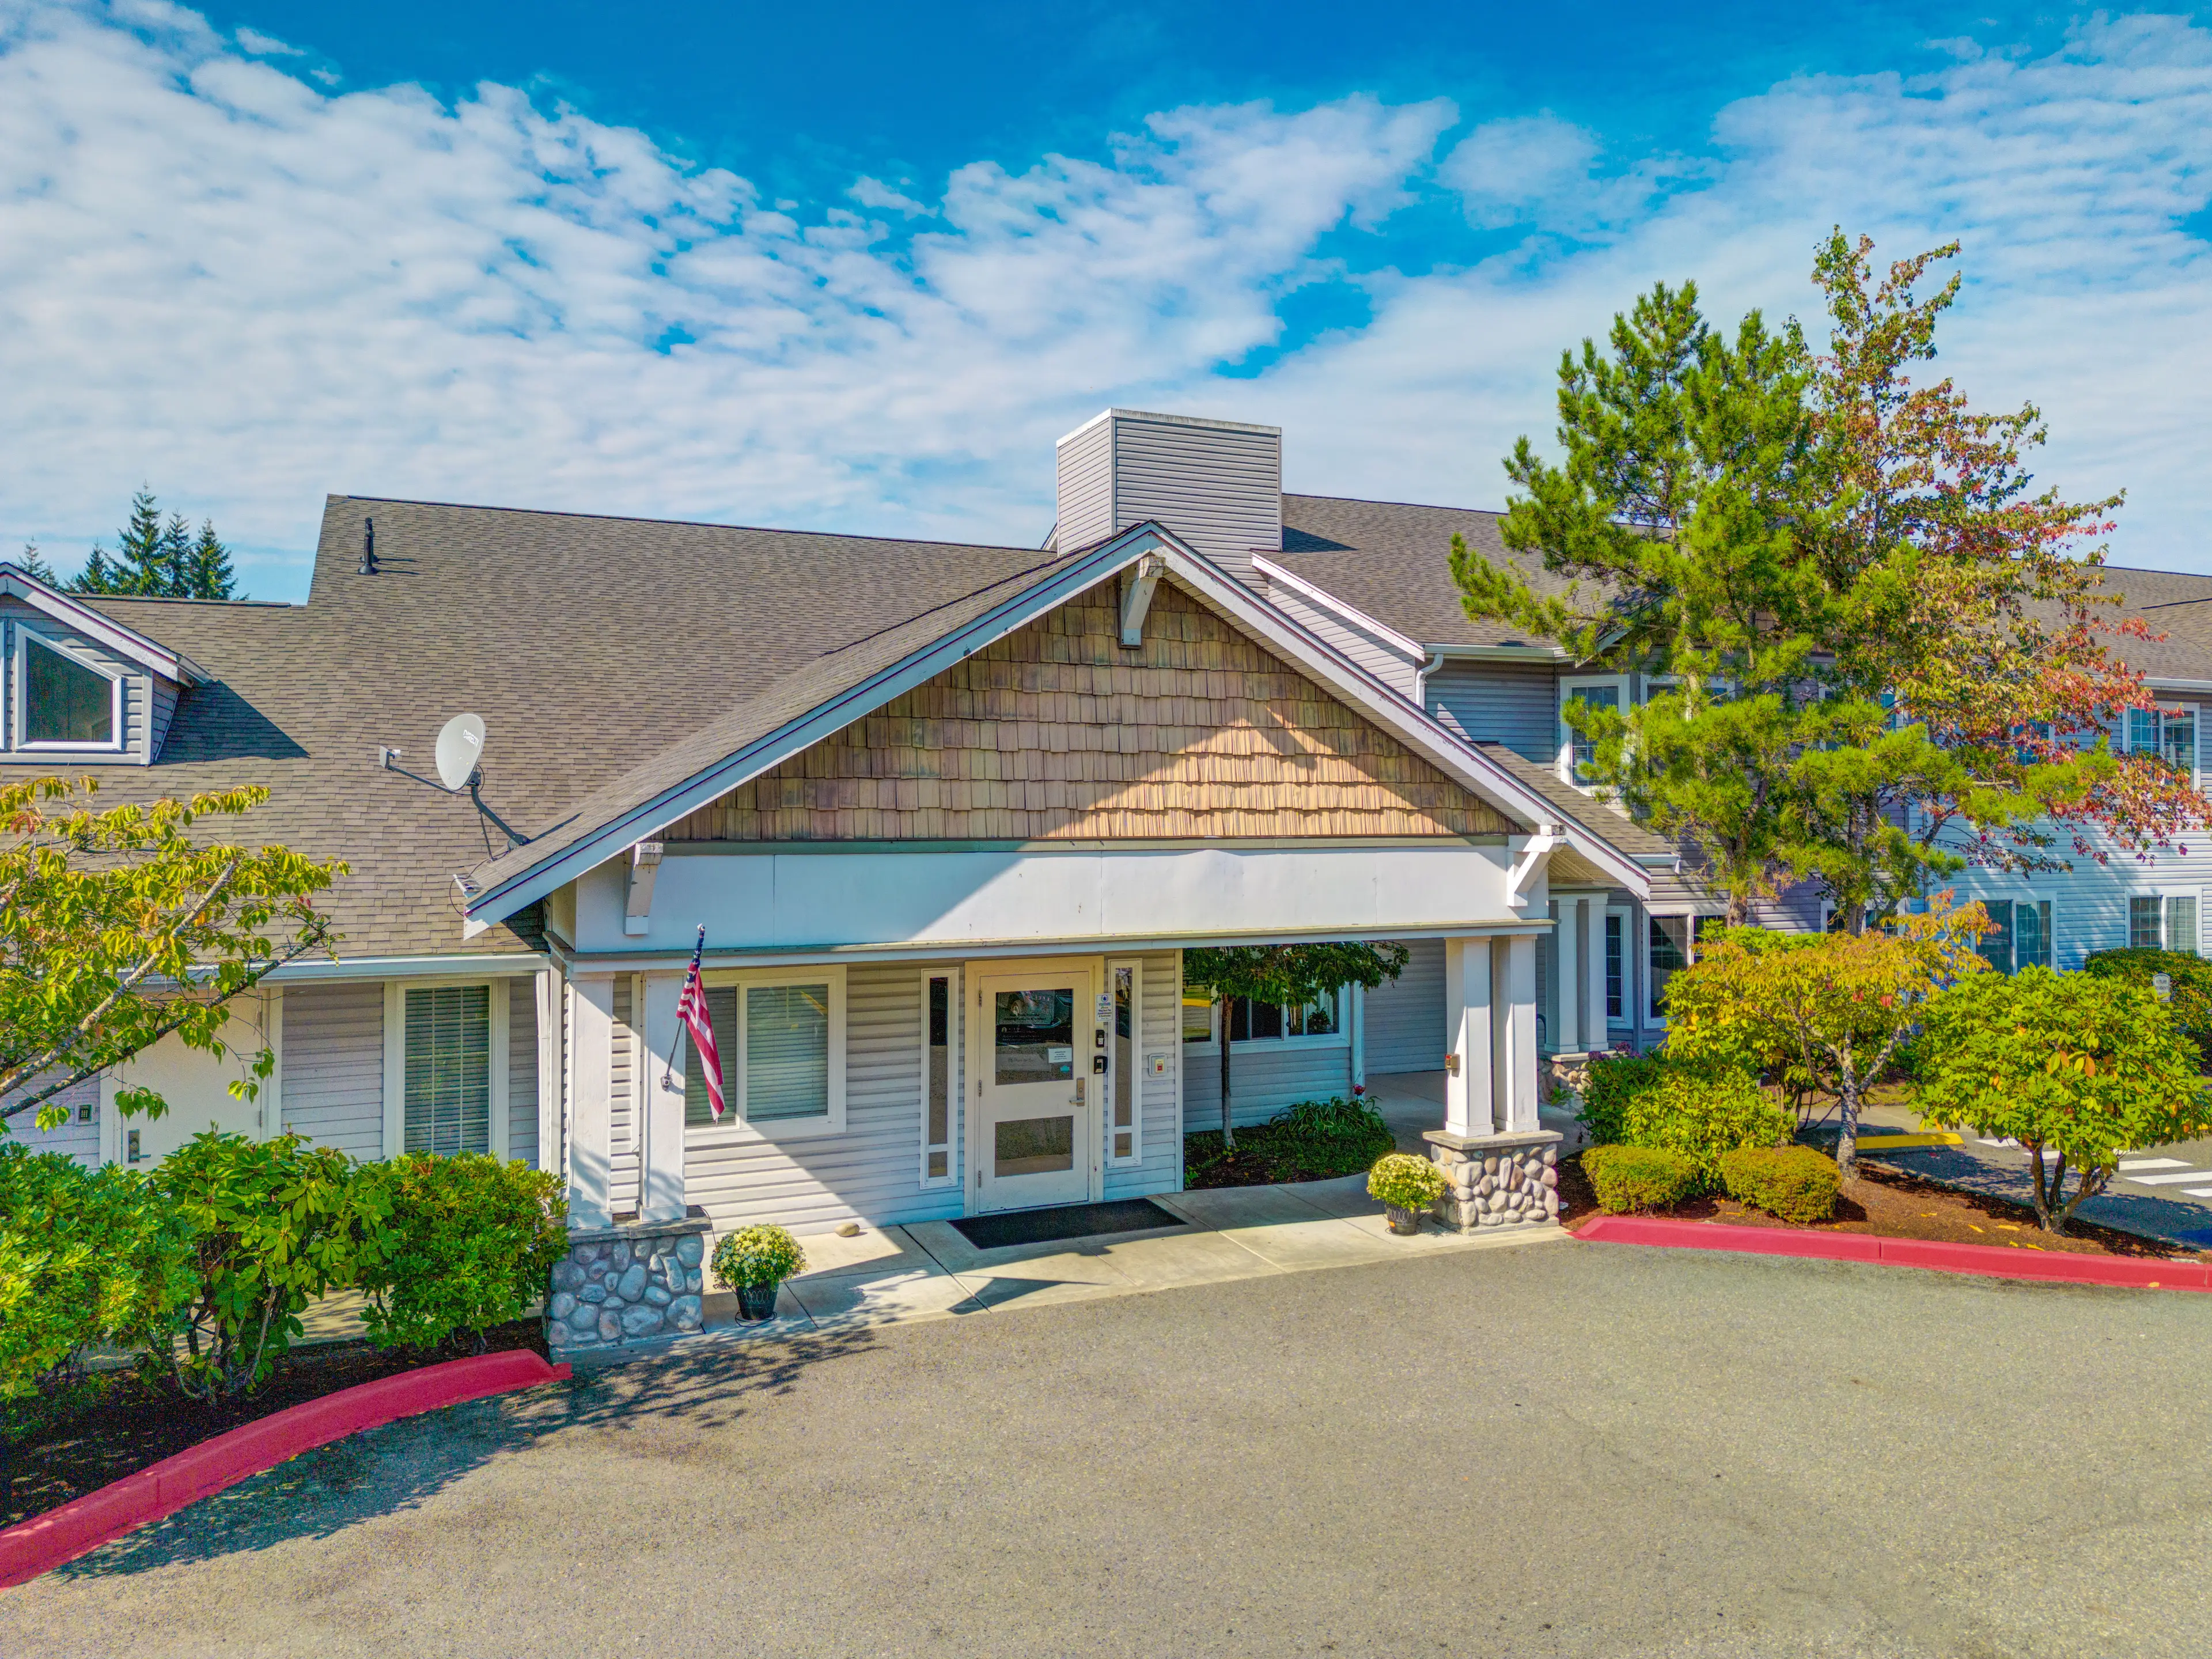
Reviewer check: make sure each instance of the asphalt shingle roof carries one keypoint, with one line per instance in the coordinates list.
(588, 645)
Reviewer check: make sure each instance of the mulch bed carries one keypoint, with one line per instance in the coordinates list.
(1894, 1205)
(59, 1448)
(1265, 1155)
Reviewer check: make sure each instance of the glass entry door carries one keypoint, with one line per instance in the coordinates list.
(1036, 1029)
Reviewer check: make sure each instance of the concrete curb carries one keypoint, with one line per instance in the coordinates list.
(83, 1525)
(1991, 1260)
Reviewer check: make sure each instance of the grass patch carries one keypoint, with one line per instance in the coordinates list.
(1312, 1140)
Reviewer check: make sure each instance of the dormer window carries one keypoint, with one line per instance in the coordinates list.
(64, 704)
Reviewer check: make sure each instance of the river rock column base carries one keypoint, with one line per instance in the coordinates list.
(1496, 1183)
(629, 1283)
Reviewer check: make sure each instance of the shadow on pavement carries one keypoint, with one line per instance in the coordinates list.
(704, 1390)
(2134, 1212)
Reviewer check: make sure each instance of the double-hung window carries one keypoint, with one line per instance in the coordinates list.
(781, 1038)
(2169, 733)
(1616, 967)
(62, 703)
(446, 1068)
(2163, 921)
(1670, 951)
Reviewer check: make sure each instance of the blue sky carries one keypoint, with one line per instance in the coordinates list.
(856, 267)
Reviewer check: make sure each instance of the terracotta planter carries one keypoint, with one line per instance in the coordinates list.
(1402, 1221)
(756, 1302)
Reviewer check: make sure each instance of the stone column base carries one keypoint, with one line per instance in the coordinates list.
(628, 1283)
(1498, 1181)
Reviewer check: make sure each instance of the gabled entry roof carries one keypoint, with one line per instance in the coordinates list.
(832, 690)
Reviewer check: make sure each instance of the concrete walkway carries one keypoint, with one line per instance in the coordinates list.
(927, 1270)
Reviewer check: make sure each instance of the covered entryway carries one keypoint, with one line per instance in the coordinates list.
(1038, 1052)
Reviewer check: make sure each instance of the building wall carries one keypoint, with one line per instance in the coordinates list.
(522, 1070)
(78, 1137)
(1264, 1078)
(1371, 651)
(1489, 701)
(1057, 732)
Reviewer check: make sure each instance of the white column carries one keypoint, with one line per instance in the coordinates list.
(591, 1121)
(660, 1163)
(1468, 1036)
(551, 1065)
(1596, 1037)
(1513, 1021)
(1566, 944)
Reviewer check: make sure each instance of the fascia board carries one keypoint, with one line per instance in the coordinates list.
(1393, 712)
(18, 584)
(536, 881)
(1329, 601)
(1496, 653)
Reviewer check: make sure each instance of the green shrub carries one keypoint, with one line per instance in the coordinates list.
(276, 1224)
(1639, 1178)
(2189, 1001)
(1405, 1181)
(470, 1243)
(86, 1257)
(1703, 1115)
(1614, 1081)
(1312, 1140)
(1795, 1182)
(756, 1256)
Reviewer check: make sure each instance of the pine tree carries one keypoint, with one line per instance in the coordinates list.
(154, 560)
(176, 560)
(35, 567)
(209, 575)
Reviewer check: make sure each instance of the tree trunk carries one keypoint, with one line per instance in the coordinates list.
(1228, 1129)
(1847, 1143)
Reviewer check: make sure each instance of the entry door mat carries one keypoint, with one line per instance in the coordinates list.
(1124, 1215)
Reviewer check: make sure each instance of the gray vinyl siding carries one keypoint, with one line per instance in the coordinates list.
(164, 708)
(622, 1160)
(522, 1070)
(1387, 662)
(1405, 1016)
(1264, 1078)
(1794, 909)
(76, 1139)
(871, 1172)
(2089, 905)
(1486, 700)
(332, 1088)
(139, 722)
(1159, 1031)
(1085, 464)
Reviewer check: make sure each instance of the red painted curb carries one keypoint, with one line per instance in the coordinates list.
(1993, 1260)
(45, 1541)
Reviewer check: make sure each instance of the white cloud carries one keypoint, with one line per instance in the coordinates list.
(216, 278)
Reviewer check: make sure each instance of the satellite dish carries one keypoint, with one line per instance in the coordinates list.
(460, 746)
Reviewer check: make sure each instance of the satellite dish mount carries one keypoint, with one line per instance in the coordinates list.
(458, 756)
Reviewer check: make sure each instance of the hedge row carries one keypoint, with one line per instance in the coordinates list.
(203, 1264)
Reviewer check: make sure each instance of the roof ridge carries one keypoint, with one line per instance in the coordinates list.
(689, 523)
(1372, 500)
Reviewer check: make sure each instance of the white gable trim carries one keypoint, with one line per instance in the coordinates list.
(1266, 622)
(17, 583)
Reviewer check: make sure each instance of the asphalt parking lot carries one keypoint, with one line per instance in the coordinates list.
(1569, 1448)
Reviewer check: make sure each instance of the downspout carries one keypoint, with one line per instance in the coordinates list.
(1421, 684)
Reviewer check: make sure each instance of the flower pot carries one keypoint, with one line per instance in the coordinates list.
(756, 1301)
(1402, 1221)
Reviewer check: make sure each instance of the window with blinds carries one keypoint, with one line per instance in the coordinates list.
(448, 1086)
(777, 1067)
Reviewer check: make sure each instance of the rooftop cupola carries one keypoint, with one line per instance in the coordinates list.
(1218, 484)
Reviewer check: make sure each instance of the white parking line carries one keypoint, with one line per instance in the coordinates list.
(2170, 1180)
(2128, 1163)
(2197, 1192)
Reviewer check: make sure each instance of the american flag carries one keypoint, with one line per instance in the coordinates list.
(691, 1010)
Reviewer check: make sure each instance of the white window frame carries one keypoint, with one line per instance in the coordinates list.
(1571, 686)
(1106, 1129)
(2162, 894)
(2196, 713)
(1646, 1015)
(735, 1128)
(497, 999)
(955, 1070)
(1626, 1020)
(19, 726)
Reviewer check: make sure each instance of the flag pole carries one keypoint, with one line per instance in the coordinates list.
(668, 1067)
